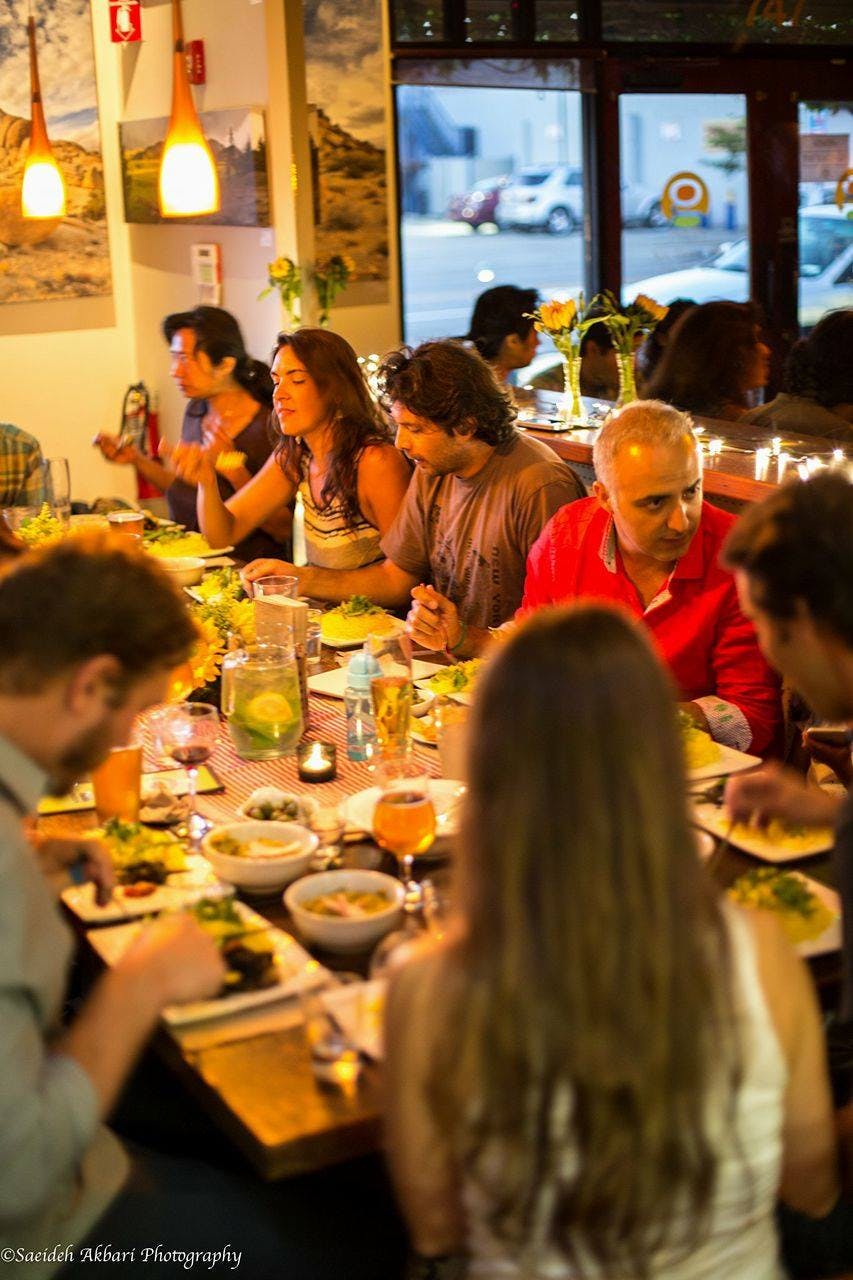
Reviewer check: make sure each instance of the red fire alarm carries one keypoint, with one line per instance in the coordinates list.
(194, 51)
(125, 21)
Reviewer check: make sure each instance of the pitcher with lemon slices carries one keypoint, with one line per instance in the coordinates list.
(261, 701)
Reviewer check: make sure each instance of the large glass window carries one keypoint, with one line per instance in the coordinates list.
(727, 21)
(491, 193)
(684, 196)
(826, 209)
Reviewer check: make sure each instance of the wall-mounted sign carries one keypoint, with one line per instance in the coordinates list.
(125, 21)
(822, 156)
(685, 200)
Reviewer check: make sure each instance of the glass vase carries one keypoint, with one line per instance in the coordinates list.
(627, 383)
(572, 411)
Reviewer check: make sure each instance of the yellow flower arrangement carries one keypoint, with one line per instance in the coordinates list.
(624, 323)
(286, 277)
(563, 322)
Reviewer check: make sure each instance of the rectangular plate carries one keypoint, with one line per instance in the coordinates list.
(82, 797)
(331, 684)
(179, 889)
(297, 970)
(830, 939)
(714, 819)
(729, 761)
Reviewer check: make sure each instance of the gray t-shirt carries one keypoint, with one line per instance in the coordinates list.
(470, 538)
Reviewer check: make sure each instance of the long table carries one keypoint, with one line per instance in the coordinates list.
(251, 1073)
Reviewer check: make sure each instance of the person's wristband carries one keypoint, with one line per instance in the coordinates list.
(463, 636)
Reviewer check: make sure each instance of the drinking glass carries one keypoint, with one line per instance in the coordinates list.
(334, 1059)
(404, 818)
(57, 487)
(328, 823)
(392, 692)
(116, 783)
(188, 733)
(127, 524)
(273, 620)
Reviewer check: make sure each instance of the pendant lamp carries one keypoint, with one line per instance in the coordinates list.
(42, 188)
(188, 183)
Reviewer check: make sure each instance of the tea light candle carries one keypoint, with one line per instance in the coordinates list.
(776, 446)
(316, 761)
(782, 460)
(762, 462)
(715, 448)
(837, 457)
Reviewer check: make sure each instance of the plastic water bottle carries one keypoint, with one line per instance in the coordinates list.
(361, 722)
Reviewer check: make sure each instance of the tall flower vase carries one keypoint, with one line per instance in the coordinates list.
(627, 384)
(572, 412)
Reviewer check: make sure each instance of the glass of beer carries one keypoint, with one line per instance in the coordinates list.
(404, 818)
(392, 692)
(117, 781)
(127, 524)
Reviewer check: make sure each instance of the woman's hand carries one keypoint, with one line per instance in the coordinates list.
(190, 462)
(116, 448)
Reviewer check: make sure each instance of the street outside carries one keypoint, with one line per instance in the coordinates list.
(447, 264)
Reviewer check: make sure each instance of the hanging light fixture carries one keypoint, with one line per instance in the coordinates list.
(188, 183)
(42, 189)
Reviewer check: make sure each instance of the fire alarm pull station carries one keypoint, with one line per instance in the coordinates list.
(207, 273)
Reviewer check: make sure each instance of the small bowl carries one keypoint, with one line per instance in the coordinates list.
(334, 933)
(187, 571)
(261, 876)
(305, 806)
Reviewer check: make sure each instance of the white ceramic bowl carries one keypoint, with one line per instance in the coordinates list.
(261, 875)
(335, 933)
(305, 805)
(187, 571)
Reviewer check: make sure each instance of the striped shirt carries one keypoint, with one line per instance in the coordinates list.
(332, 541)
(21, 475)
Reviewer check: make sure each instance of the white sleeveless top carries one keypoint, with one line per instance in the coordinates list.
(740, 1240)
(331, 540)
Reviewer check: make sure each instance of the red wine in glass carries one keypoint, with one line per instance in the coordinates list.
(191, 754)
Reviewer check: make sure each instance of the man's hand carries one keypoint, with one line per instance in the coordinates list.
(76, 860)
(264, 569)
(433, 620)
(778, 792)
(115, 448)
(837, 758)
(177, 957)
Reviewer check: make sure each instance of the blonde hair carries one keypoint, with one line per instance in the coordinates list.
(643, 422)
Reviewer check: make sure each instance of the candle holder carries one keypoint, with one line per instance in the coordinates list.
(316, 761)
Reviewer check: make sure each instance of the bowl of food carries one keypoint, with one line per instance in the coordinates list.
(271, 804)
(186, 571)
(347, 910)
(259, 857)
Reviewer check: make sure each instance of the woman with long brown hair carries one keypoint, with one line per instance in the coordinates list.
(606, 1071)
(714, 361)
(335, 450)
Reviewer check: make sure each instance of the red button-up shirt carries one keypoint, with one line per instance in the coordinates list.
(695, 619)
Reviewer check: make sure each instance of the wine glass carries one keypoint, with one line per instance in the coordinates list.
(188, 733)
(328, 822)
(404, 818)
(57, 487)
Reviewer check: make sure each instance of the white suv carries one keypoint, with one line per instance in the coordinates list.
(542, 197)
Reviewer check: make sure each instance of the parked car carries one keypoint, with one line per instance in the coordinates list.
(477, 207)
(542, 198)
(641, 207)
(826, 269)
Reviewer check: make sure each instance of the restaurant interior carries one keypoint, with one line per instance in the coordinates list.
(426, 639)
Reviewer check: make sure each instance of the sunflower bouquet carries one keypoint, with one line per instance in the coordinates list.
(625, 323)
(564, 323)
(285, 276)
(331, 278)
(223, 623)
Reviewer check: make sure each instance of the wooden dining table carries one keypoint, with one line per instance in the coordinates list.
(251, 1073)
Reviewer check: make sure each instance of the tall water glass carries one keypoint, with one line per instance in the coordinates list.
(273, 620)
(392, 692)
(57, 487)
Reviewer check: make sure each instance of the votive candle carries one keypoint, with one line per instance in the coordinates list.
(316, 761)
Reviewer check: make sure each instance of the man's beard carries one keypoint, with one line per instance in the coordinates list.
(80, 757)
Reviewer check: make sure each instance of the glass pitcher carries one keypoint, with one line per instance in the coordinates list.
(261, 701)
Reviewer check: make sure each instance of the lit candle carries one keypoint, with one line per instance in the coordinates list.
(782, 460)
(762, 462)
(316, 761)
(837, 457)
(803, 470)
(776, 446)
(715, 448)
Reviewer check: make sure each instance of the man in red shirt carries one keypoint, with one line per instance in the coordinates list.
(647, 541)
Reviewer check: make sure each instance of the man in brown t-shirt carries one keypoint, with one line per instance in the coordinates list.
(481, 494)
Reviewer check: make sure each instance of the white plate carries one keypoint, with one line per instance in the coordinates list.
(358, 1008)
(179, 889)
(714, 819)
(296, 970)
(445, 792)
(729, 761)
(830, 939)
(333, 683)
(397, 630)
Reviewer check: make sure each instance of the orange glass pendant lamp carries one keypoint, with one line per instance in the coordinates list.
(189, 183)
(42, 189)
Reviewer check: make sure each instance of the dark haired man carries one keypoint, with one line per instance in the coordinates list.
(480, 495)
(793, 560)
